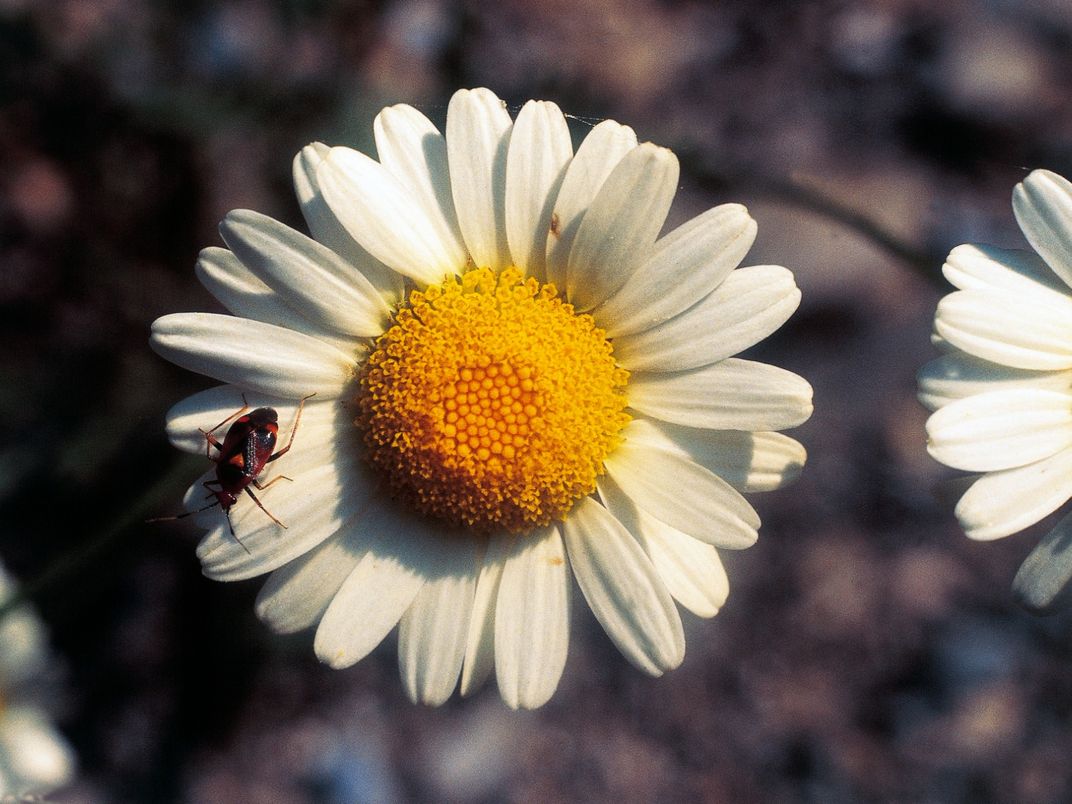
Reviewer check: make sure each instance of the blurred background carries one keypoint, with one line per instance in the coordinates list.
(868, 651)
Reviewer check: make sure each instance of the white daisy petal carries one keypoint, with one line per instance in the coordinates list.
(1003, 394)
(959, 375)
(752, 461)
(313, 505)
(1043, 578)
(979, 267)
(1001, 430)
(244, 295)
(675, 489)
(441, 338)
(1020, 331)
(36, 755)
(326, 228)
(621, 224)
(747, 307)
(186, 419)
(296, 595)
(259, 356)
(1001, 503)
(384, 217)
(747, 461)
(730, 395)
(684, 266)
(690, 569)
(404, 554)
(623, 589)
(532, 619)
(540, 149)
(480, 644)
(312, 450)
(599, 154)
(1043, 206)
(432, 632)
(411, 147)
(308, 276)
(200, 503)
(478, 135)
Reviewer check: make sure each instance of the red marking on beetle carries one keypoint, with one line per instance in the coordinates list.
(241, 457)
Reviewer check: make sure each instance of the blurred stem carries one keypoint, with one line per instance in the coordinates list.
(70, 563)
(711, 179)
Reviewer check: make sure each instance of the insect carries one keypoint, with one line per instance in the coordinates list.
(241, 457)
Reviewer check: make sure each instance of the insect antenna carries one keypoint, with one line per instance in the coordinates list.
(233, 534)
(212, 504)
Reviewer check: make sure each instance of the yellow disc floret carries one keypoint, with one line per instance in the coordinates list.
(490, 402)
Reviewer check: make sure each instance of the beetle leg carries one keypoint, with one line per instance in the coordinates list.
(293, 430)
(211, 440)
(253, 496)
(262, 486)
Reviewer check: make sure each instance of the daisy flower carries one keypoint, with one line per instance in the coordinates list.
(34, 757)
(518, 384)
(1002, 394)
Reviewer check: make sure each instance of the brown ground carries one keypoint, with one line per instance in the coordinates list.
(868, 651)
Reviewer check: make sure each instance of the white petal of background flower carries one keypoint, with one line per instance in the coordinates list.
(597, 156)
(1001, 430)
(684, 266)
(1046, 572)
(34, 757)
(532, 619)
(1005, 502)
(979, 267)
(621, 225)
(623, 589)
(478, 135)
(35, 754)
(959, 375)
(1018, 331)
(747, 307)
(1043, 206)
(25, 653)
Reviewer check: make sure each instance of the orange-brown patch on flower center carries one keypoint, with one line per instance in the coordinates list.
(490, 403)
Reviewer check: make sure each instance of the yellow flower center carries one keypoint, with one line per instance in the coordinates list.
(490, 403)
